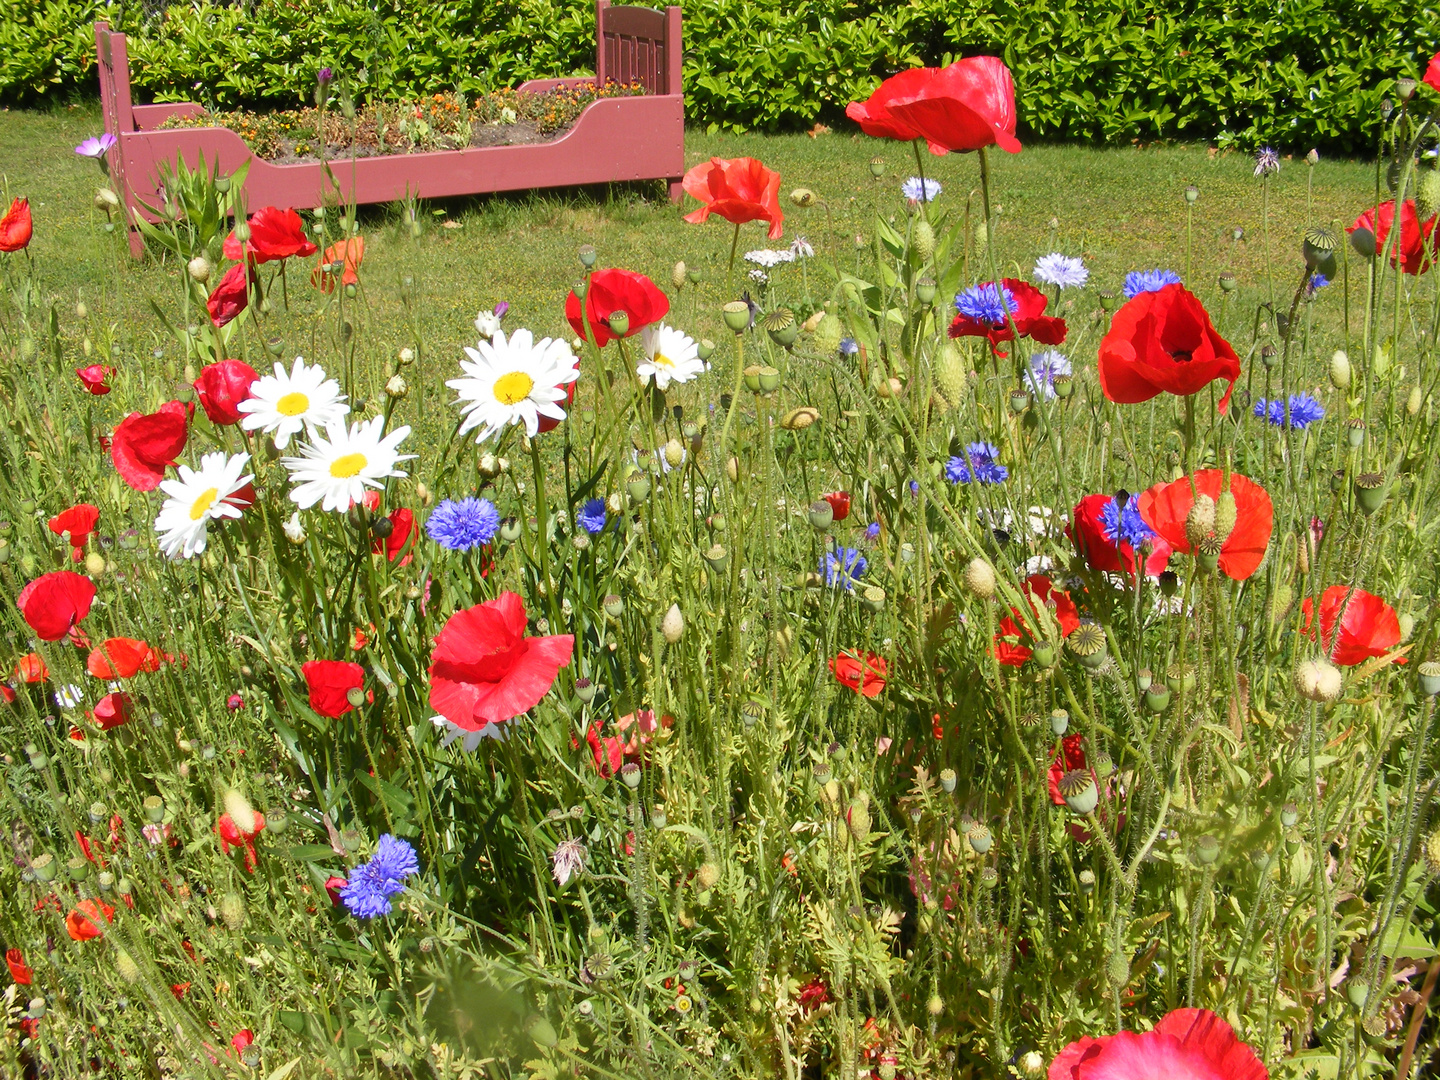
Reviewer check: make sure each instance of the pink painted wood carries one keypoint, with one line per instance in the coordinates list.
(614, 139)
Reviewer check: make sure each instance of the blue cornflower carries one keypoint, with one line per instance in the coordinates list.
(849, 346)
(914, 487)
(465, 524)
(373, 883)
(591, 515)
(978, 464)
(843, 566)
(1315, 284)
(1298, 413)
(1141, 281)
(872, 531)
(917, 190)
(1125, 526)
(986, 303)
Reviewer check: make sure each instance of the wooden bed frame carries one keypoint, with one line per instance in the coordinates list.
(628, 138)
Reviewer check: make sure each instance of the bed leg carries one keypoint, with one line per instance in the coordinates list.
(677, 190)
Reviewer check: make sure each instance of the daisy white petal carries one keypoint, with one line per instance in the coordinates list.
(514, 380)
(670, 356)
(199, 497)
(286, 404)
(337, 468)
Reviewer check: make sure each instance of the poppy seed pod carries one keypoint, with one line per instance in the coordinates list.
(1228, 282)
(673, 625)
(587, 255)
(1370, 492)
(1207, 850)
(614, 605)
(1059, 722)
(716, 556)
(947, 780)
(981, 839)
(1192, 194)
(630, 773)
(1318, 247)
(705, 349)
(619, 323)
(736, 315)
(1429, 675)
(1077, 788)
(1086, 880)
(1088, 644)
(925, 291)
(822, 515)
(1157, 698)
(877, 167)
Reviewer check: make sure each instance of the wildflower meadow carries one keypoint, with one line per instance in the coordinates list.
(931, 661)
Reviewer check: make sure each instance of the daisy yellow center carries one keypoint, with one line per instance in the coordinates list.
(343, 468)
(203, 503)
(661, 360)
(513, 387)
(292, 404)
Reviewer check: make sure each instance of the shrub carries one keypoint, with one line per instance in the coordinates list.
(1304, 73)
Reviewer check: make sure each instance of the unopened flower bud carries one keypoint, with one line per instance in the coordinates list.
(232, 910)
(1318, 680)
(673, 625)
(980, 578)
(1032, 1062)
(707, 875)
(94, 564)
(1226, 514)
(802, 197)
(678, 275)
(199, 268)
(396, 387)
(674, 453)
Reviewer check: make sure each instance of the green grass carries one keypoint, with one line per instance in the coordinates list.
(1122, 209)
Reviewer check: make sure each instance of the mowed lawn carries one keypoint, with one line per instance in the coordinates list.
(1121, 208)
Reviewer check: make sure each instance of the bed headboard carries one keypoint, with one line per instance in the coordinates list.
(637, 44)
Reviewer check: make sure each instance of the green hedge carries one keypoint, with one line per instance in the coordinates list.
(1292, 72)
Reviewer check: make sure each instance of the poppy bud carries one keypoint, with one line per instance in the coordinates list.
(232, 910)
(1032, 1063)
(199, 269)
(542, 1031)
(1415, 400)
(857, 817)
(1432, 852)
(126, 967)
(1427, 194)
(802, 197)
(673, 625)
(677, 276)
(1318, 680)
(1340, 370)
(1312, 157)
(980, 578)
(707, 875)
(922, 237)
(827, 333)
(1363, 241)
(1117, 969)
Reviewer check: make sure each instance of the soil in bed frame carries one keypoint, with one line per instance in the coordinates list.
(436, 122)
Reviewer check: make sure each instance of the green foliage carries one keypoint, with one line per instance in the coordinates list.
(1296, 73)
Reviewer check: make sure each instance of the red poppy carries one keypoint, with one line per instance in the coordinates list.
(1163, 342)
(146, 444)
(112, 711)
(484, 670)
(330, 683)
(737, 189)
(616, 290)
(179, 990)
(231, 294)
(1039, 591)
(402, 525)
(7, 695)
(121, 658)
(274, 234)
(608, 751)
(839, 504)
(1166, 506)
(19, 970)
(1187, 1044)
(1368, 626)
(966, 106)
(16, 227)
(93, 378)
(53, 603)
(84, 923)
(1026, 305)
(221, 387)
(812, 995)
(30, 668)
(1112, 556)
(241, 1040)
(78, 521)
(333, 885)
(232, 836)
(351, 253)
(1416, 249)
(863, 675)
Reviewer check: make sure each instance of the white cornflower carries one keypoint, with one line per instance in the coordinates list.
(1062, 271)
(286, 404)
(514, 381)
(769, 257)
(569, 860)
(917, 190)
(670, 356)
(800, 248)
(1044, 368)
(468, 739)
(294, 531)
(488, 323)
(197, 498)
(337, 467)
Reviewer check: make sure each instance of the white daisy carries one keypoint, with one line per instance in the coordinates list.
(670, 356)
(69, 696)
(286, 404)
(294, 531)
(1062, 271)
(468, 739)
(488, 323)
(336, 469)
(514, 381)
(196, 499)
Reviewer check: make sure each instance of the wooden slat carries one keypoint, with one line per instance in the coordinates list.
(635, 22)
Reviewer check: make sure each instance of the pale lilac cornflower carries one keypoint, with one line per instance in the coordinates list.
(800, 248)
(1062, 271)
(1044, 368)
(1267, 162)
(918, 190)
(568, 860)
